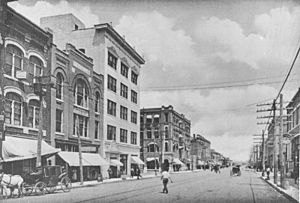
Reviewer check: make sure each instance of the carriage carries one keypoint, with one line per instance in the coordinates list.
(46, 179)
(235, 171)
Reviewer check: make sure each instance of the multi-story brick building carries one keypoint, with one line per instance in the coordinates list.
(120, 65)
(293, 129)
(165, 136)
(25, 54)
(200, 151)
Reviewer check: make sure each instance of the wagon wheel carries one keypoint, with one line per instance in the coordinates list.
(40, 188)
(27, 189)
(66, 184)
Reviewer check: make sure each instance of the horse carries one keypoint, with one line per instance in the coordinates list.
(11, 182)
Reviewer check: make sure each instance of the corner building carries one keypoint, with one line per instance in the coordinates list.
(120, 65)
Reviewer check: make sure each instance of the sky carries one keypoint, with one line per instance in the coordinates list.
(213, 61)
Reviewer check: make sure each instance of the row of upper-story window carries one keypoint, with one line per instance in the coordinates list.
(294, 118)
(15, 61)
(156, 133)
(112, 131)
(80, 125)
(80, 93)
(112, 85)
(153, 147)
(112, 110)
(20, 113)
(112, 61)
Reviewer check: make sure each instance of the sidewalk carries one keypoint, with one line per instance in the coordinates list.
(291, 191)
(150, 174)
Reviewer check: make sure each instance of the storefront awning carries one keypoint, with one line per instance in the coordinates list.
(151, 158)
(136, 160)
(16, 149)
(88, 159)
(176, 161)
(115, 162)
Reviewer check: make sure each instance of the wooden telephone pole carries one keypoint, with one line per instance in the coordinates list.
(79, 149)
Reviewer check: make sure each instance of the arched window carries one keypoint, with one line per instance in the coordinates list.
(97, 102)
(35, 67)
(13, 109)
(59, 86)
(13, 60)
(81, 93)
(33, 113)
(153, 147)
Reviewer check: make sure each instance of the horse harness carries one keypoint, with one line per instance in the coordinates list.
(8, 183)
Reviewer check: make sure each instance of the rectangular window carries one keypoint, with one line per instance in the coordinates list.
(96, 129)
(134, 77)
(123, 112)
(112, 61)
(133, 117)
(82, 128)
(124, 90)
(111, 83)
(156, 133)
(111, 132)
(124, 70)
(133, 96)
(123, 135)
(149, 133)
(33, 116)
(111, 107)
(59, 120)
(133, 138)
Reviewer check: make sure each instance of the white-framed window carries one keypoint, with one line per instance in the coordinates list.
(81, 93)
(33, 113)
(134, 96)
(59, 121)
(166, 146)
(59, 86)
(13, 109)
(111, 107)
(123, 112)
(112, 60)
(111, 132)
(149, 133)
(124, 90)
(133, 138)
(13, 60)
(111, 83)
(35, 67)
(124, 70)
(123, 135)
(97, 102)
(153, 147)
(82, 129)
(134, 77)
(134, 117)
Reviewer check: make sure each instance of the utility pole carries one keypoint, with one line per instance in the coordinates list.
(263, 152)
(79, 149)
(40, 134)
(275, 154)
(280, 143)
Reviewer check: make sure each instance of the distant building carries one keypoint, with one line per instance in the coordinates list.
(293, 129)
(165, 137)
(200, 151)
(120, 65)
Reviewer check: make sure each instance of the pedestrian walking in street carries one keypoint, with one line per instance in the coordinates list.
(165, 177)
(132, 172)
(268, 173)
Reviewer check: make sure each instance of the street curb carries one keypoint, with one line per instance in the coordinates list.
(281, 192)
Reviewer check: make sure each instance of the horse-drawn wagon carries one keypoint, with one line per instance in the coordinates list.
(46, 179)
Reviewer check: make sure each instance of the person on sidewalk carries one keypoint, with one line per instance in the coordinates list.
(138, 173)
(268, 173)
(165, 177)
(132, 172)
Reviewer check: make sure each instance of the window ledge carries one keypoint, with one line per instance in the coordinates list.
(60, 133)
(81, 107)
(59, 100)
(97, 113)
(81, 137)
(15, 79)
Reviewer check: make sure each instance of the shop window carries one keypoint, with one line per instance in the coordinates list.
(13, 60)
(59, 86)
(13, 109)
